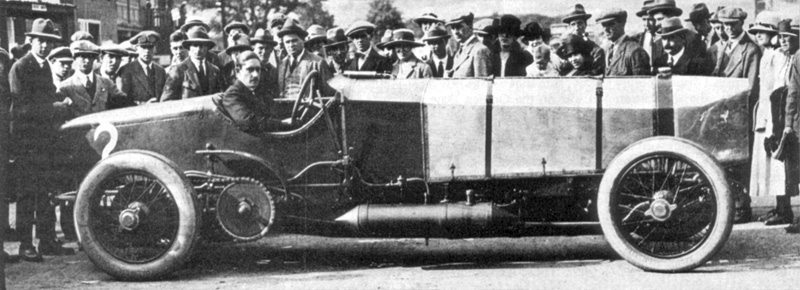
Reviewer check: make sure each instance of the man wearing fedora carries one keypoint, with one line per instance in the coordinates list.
(485, 30)
(407, 65)
(788, 39)
(511, 60)
(89, 92)
(110, 59)
(680, 55)
(438, 59)
(316, 40)
(195, 76)
(624, 57)
(264, 46)
(472, 59)
(366, 57)
(36, 110)
(428, 22)
(576, 19)
(241, 43)
(646, 37)
(232, 30)
(699, 18)
(336, 49)
(299, 63)
(143, 80)
(60, 64)
(661, 10)
(195, 22)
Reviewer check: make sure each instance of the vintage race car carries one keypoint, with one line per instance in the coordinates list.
(646, 160)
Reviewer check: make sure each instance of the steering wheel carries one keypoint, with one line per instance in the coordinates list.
(308, 97)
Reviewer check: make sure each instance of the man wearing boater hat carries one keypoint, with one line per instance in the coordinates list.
(439, 59)
(195, 76)
(624, 57)
(576, 19)
(89, 92)
(143, 80)
(680, 55)
(36, 111)
(299, 63)
(407, 65)
(336, 49)
(366, 58)
(472, 59)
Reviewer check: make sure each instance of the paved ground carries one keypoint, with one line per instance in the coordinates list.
(755, 257)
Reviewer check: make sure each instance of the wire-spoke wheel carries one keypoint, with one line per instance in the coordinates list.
(136, 216)
(665, 205)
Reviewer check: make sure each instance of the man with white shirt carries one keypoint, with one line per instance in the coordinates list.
(299, 63)
(61, 64)
(681, 57)
(366, 57)
(195, 76)
(624, 57)
(472, 59)
(89, 92)
(110, 59)
(740, 57)
(142, 80)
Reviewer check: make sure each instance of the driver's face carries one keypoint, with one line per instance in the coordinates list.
(248, 73)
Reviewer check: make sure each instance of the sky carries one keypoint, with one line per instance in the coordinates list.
(347, 11)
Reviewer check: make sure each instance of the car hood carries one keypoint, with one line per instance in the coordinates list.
(144, 113)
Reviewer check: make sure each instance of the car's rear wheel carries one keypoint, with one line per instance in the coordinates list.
(664, 205)
(136, 216)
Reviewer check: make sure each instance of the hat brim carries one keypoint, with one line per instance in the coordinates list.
(300, 33)
(188, 26)
(761, 28)
(322, 38)
(641, 13)
(728, 20)
(272, 42)
(77, 53)
(395, 43)
(571, 18)
(239, 47)
(243, 27)
(675, 10)
(418, 21)
(432, 38)
(604, 20)
(207, 42)
(792, 33)
(113, 52)
(674, 32)
(64, 59)
(357, 30)
(340, 43)
(55, 37)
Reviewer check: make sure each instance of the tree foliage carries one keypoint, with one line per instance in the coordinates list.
(384, 15)
(255, 12)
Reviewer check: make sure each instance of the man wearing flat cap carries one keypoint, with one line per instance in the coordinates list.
(740, 57)
(366, 57)
(439, 59)
(61, 64)
(472, 59)
(576, 19)
(681, 56)
(299, 63)
(195, 76)
(37, 110)
(110, 59)
(336, 49)
(143, 80)
(624, 57)
(89, 92)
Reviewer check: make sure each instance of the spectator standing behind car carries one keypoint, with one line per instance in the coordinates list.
(542, 66)
(299, 63)
(232, 30)
(179, 53)
(624, 57)
(142, 80)
(408, 66)
(646, 38)
(366, 57)
(439, 59)
(789, 45)
(316, 40)
(680, 56)
(87, 91)
(195, 76)
(485, 30)
(336, 50)
(111, 57)
(578, 53)
(240, 44)
(263, 44)
(197, 23)
(36, 111)
(472, 59)
(244, 101)
(576, 19)
(60, 64)
(511, 60)
(699, 17)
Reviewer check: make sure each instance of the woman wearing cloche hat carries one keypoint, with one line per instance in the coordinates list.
(407, 65)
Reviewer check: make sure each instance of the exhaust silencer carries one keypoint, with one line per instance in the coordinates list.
(445, 220)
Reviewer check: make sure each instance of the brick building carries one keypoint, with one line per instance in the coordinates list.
(98, 18)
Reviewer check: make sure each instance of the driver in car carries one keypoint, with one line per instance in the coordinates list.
(246, 100)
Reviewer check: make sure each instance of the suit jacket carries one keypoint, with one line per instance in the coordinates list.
(269, 79)
(183, 82)
(628, 59)
(695, 61)
(132, 80)
(742, 63)
(516, 63)
(289, 81)
(374, 62)
(250, 110)
(793, 95)
(107, 96)
(475, 60)
(418, 69)
(5, 66)
(447, 65)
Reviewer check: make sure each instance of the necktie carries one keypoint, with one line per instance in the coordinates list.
(150, 71)
(90, 87)
(202, 78)
(293, 65)
(670, 60)
(440, 69)
(610, 54)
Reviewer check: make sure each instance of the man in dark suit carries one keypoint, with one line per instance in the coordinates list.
(681, 57)
(110, 60)
(336, 49)
(89, 92)
(195, 76)
(472, 59)
(699, 17)
(143, 80)
(511, 60)
(232, 30)
(576, 19)
(299, 63)
(792, 117)
(367, 58)
(193, 23)
(263, 44)
(245, 100)
(645, 38)
(624, 57)
(661, 10)
(36, 109)
(439, 60)
(5, 66)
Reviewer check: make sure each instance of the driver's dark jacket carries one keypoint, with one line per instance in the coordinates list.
(250, 111)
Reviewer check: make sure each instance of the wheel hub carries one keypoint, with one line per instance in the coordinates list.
(130, 217)
(661, 208)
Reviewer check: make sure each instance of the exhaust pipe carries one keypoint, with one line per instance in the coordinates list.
(445, 220)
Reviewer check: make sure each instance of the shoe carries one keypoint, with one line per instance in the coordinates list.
(10, 259)
(54, 248)
(794, 228)
(30, 254)
(768, 215)
(743, 215)
(780, 219)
